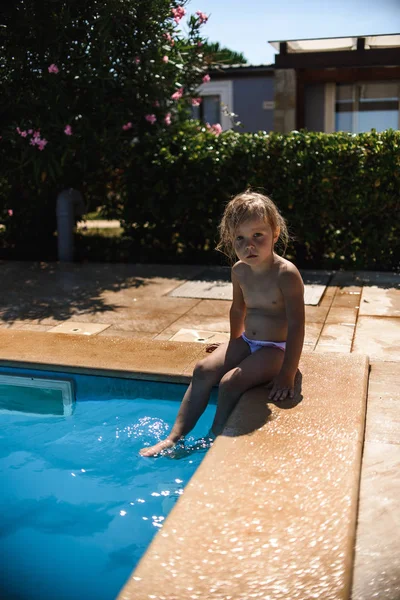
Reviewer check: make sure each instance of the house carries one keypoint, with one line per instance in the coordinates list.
(248, 91)
(328, 84)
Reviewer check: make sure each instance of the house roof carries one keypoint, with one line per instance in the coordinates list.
(331, 44)
(239, 69)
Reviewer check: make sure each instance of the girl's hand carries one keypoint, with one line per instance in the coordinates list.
(282, 388)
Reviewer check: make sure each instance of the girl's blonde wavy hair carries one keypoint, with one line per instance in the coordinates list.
(244, 206)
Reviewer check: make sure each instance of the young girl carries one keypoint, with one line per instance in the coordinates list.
(266, 319)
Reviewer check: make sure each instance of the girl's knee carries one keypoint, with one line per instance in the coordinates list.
(230, 382)
(205, 371)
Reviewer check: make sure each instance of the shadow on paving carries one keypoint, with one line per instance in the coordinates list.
(33, 290)
(59, 291)
(380, 279)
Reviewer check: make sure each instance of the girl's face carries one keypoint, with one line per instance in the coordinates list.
(254, 241)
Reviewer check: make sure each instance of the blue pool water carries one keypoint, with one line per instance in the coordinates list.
(78, 505)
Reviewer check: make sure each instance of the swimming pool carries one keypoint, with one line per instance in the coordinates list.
(78, 505)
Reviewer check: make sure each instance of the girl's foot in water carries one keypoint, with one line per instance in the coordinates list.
(178, 449)
(157, 448)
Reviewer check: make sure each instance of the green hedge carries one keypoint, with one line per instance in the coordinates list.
(340, 194)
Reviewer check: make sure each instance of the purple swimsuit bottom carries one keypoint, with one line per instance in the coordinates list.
(255, 345)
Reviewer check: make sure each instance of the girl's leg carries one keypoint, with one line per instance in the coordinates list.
(207, 373)
(256, 369)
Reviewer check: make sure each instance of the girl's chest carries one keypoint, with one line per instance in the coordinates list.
(266, 295)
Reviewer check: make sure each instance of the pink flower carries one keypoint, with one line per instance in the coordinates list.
(151, 119)
(206, 78)
(24, 133)
(10, 212)
(156, 103)
(127, 126)
(199, 44)
(42, 144)
(196, 101)
(30, 131)
(68, 130)
(203, 18)
(36, 133)
(167, 119)
(177, 95)
(137, 60)
(169, 38)
(178, 13)
(216, 128)
(53, 68)
(35, 140)
(165, 59)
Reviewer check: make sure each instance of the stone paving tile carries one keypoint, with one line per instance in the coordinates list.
(378, 337)
(337, 334)
(316, 415)
(242, 541)
(384, 379)
(347, 298)
(98, 353)
(376, 301)
(72, 327)
(323, 349)
(316, 314)
(165, 335)
(330, 291)
(104, 316)
(341, 315)
(197, 335)
(211, 308)
(199, 322)
(163, 305)
(312, 333)
(34, 327)
(383, 417)
(11, 324)
(377, 556)
(380, 278)
(150, 288)
(151, 322)
(131, 335)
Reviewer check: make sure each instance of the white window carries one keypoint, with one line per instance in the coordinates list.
(217, 98)
(365, 106)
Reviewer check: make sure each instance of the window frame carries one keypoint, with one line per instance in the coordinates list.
(356, 89)
(223, 89)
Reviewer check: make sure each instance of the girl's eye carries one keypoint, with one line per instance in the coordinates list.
(258, 235)
(239, 238)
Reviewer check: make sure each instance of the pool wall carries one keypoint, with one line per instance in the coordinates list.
(271, 511)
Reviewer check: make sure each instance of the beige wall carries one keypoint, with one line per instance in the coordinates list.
(285, 100)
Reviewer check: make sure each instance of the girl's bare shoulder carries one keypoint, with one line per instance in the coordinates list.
(240, 269)
(287, 270)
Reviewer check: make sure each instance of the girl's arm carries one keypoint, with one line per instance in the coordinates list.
(292, 288)
(238, 309)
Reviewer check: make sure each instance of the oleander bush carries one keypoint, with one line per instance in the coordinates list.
(81, 81)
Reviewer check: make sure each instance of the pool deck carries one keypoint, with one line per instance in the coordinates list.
(107, 316)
